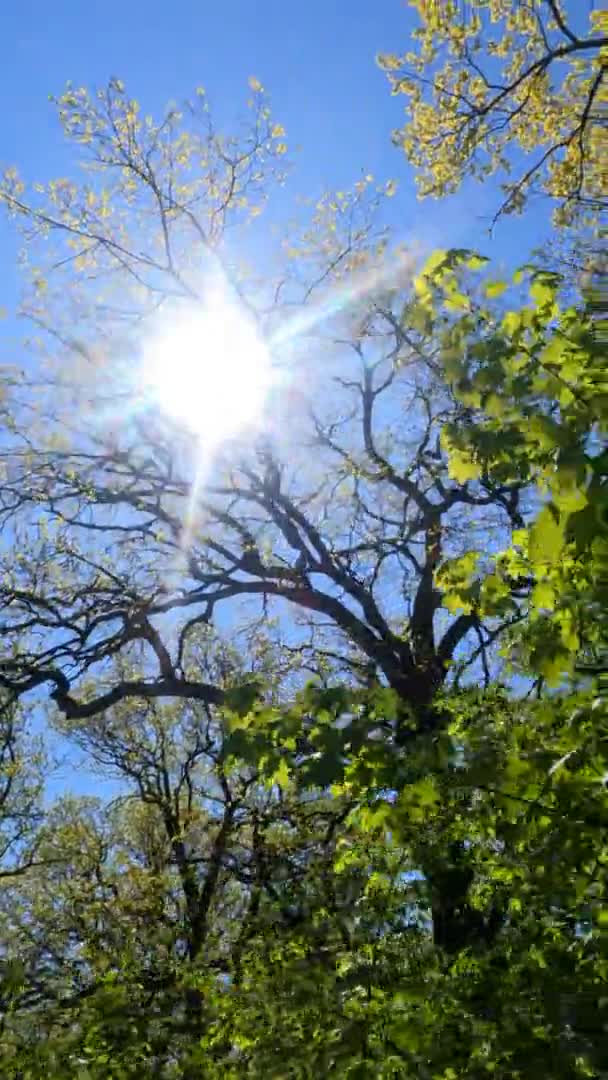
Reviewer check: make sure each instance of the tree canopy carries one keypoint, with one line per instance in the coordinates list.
(509, 87)
(345, 660)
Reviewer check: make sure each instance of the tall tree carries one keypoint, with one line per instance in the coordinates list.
(120, 525)
(420, 854)
(120, 943)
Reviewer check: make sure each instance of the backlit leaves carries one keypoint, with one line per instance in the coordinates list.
(492, 79)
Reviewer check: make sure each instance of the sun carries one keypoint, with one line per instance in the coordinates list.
(208, 368)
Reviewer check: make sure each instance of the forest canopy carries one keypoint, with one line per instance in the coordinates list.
(309, 556)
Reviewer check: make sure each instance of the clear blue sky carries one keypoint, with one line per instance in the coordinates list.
(316, 59)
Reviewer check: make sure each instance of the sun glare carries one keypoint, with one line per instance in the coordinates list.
(209, 369)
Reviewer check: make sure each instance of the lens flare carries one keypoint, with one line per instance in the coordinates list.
(208, 368)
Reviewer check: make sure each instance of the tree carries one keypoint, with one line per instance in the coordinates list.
(319, 948)
(509, 87)
(363, 875)
(22, 767)
(536, 391)
(350, 538)
(127, 935)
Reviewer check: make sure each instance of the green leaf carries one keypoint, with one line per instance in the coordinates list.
(543, 596)
(241, 699)
(542, 293)
(281, 776)
(461, 466)
(495, 288)
(512, 323)
(438, 259)
(546, 537)
(476, 262)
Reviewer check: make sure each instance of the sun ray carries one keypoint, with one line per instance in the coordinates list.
(208, 368)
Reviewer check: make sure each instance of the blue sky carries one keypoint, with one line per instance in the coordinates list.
(315, 58)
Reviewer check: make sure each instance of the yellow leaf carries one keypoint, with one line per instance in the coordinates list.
(546, 538)
(434, 261)
(455, 603)
(281, 776)
(494, 405)
(543, 596)
(255, 84)
(461, 466)
(495, 288)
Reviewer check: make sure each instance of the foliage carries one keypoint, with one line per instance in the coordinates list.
(326, 948)
(535, 389)
(22, 769)
(507, 87)
(347, 674)
(104, 508)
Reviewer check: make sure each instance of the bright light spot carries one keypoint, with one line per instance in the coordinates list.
(209, 369)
